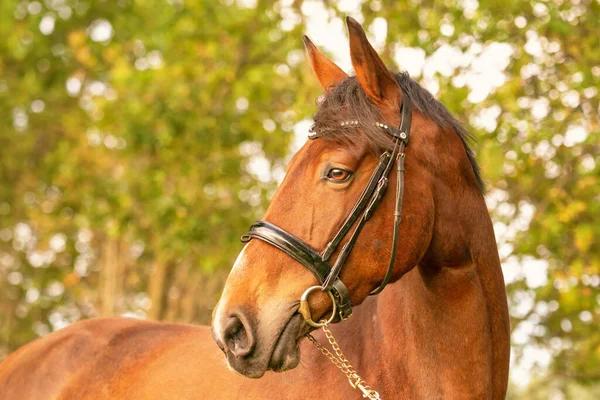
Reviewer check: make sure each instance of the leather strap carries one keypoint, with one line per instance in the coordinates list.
(305, 255)
(397, 219)
(359, 206)
(291, 245)
(381, 173)
(403, 132)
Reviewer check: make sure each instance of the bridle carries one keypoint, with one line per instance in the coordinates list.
(318, 263)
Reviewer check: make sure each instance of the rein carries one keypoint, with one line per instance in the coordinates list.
(318, 262)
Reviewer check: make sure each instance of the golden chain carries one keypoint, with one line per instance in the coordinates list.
(340, 361)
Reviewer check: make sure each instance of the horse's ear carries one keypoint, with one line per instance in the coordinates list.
(375, 79)
(326, 71)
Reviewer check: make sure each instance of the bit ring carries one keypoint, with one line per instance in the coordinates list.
(304, 309)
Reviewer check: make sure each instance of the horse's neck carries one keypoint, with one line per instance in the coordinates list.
(440, 328)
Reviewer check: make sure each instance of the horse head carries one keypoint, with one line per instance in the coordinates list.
(257, 322)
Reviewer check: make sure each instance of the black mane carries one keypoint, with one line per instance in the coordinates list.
(349, 102)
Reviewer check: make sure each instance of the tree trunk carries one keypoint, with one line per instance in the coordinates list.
(109, 277)
(156, 287)
(181, 275)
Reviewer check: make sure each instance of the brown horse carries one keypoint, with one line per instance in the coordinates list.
(440, 330)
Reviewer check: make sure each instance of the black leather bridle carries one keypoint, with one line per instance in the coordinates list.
(318, 263)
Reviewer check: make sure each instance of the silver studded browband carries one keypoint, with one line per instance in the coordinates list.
(391, 130)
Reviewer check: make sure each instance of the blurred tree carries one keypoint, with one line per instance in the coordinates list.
(140, 136)
(137, 148)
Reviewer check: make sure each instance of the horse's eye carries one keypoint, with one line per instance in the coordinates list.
(338, 175)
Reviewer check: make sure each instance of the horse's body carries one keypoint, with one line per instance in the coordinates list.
(439, 331)
(132, 359)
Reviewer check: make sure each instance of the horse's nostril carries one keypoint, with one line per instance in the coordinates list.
(238, 337)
